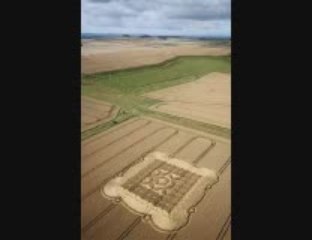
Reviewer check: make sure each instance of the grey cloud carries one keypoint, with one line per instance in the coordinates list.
(132, 15)
(200, 14)
(100, 1)
(197, 10)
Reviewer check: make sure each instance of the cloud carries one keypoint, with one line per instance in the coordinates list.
(204, 17)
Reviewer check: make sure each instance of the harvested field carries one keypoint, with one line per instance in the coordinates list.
(127, 88)
(149, 78)
(179, 107)
(227, 235)
(95, 112)
(207, 99)
(115, 151)
(109, 55)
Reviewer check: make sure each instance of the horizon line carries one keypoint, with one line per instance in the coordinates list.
(156, 35)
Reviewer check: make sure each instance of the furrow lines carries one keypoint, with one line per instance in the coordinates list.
(130, 165)
(124, 150)
(116, 140)
(99, 136)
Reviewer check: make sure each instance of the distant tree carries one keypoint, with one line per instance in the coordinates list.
(145, 36)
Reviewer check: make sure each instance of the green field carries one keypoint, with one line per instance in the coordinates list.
(126, 87)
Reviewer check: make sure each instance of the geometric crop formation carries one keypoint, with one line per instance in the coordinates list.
(122, 160)
(163, 189)
(156, 147)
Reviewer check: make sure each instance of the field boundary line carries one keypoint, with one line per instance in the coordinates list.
(183, 146)
(224, 166)
(98, 217)
(118, 139)
(173, 235)
(113, 129)
(97, 122)
(110, 116)
(128, 230)
(88, 114)
(138, 159)
(123, 150)
(224, 228)
(96, 101)
(109, 208)
(157, 64)
(132, 226)
(204, 153)
(96, 108)
(190, 130)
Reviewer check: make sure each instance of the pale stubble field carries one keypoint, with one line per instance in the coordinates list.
(119, 147)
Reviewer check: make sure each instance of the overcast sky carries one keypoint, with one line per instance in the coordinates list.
(181, 17)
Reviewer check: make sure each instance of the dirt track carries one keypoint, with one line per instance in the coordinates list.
(100, 56)
(117, 149)
(207, 99)
(94, 112)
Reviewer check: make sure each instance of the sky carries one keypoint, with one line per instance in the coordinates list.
(157, 17)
